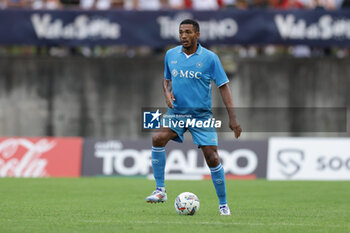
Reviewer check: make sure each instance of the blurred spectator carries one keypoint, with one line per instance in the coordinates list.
(345, 4)
(260, 3)
(128, 4)
(46, 4)
(16, 3)
(3, 4)
(176, 4)
(70, 3)
(242, 4)
(207, 4)
(324, 4)
(117, 3)
(150, 4)
(100, 4)
(229, 3)
(307, 4)
(145, 4)
(87, 4)
(338, 3)
(287, 4)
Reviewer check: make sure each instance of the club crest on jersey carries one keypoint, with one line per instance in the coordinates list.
(174, 72)
(190, 74)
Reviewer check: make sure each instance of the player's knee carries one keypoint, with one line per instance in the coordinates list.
(158, 140)
(213, 160)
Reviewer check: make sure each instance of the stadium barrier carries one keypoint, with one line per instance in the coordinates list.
(160, 28)
(93, 101)
(275, 159)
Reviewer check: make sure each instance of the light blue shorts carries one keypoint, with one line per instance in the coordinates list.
(201, 136)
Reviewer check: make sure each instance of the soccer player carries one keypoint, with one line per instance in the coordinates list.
(189, 69)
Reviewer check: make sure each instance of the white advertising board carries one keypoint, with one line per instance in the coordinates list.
(308, 159)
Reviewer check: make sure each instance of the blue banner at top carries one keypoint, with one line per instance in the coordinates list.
(160, 28)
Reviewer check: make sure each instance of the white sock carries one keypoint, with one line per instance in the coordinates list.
(161, 189)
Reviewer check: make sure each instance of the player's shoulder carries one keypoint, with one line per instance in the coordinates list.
(174, 50)
(209, 53)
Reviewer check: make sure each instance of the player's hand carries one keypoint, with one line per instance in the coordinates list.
(235, 127)
(169, 100)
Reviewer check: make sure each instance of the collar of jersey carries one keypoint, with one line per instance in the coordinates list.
(198, 52)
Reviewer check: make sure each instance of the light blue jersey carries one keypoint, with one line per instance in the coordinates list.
(191, 79)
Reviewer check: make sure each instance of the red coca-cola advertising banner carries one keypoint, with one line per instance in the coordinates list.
(40, 157)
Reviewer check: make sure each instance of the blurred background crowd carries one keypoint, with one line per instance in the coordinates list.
(155, 5)
(176, 4)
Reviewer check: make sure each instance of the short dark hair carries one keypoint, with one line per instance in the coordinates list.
(193, 22)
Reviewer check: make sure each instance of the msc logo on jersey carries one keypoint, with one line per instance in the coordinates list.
(151, 120)
(186, 74)
(190, 74)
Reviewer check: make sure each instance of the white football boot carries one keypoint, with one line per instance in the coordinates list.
(224, 210)
(159, 195)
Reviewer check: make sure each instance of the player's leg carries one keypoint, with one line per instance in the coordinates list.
(159, 141)
(207, 139)
(217, 175)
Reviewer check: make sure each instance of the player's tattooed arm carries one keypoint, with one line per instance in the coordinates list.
(168, 93)
(227, 98)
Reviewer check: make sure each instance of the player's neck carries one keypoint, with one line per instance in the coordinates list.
(190, 50)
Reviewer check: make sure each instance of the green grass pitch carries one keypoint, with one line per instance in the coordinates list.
(118, 205)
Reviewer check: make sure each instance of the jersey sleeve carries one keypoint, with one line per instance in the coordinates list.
(218, 74)
(167, 74)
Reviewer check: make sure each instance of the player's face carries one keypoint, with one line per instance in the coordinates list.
(188, 36)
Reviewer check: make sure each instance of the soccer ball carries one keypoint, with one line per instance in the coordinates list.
(186, 203)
